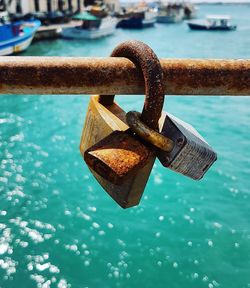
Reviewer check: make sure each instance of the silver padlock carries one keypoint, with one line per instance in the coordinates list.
(191, 155)
(179, 146)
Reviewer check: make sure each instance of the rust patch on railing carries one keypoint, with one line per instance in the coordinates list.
(61, 75)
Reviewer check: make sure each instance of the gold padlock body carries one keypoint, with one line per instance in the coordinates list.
(100, 122)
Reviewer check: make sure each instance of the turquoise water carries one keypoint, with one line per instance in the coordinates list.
(60, 229)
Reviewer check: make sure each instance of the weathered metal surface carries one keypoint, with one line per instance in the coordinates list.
(191, 155)
(118, 157)
(122, 158)
(100, 122)
(149, 65)
(67, 75)
(149, 135)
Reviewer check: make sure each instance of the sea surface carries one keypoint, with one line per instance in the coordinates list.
(60, 229)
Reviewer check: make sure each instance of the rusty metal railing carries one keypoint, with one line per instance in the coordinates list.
(66, 75)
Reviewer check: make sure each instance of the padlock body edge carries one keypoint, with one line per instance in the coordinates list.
(118, 156)
(100, 122)
(191, 156)
(129, 194)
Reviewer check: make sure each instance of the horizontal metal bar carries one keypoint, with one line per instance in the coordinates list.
(66, 75)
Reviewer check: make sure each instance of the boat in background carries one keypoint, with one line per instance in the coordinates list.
(137, 19)
(92, 27)
(17, 36)
(213, 23)
(170, 13)
(190, 11)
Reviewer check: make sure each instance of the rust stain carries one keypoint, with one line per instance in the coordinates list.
(149, 66)
(211, 76)
(54, 75)
(117, 157)
(149, 135)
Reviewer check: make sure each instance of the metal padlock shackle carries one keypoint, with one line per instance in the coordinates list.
(145, 59)
(121, 161)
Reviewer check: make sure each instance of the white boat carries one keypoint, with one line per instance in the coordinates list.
(92, 27)
(213, 23)
(170, 13)
(190, 11)
(149, 18)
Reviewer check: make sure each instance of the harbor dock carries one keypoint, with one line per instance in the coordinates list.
(53, 31)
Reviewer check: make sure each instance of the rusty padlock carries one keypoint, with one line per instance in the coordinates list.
(100, 122)
(122, 162)
(188, 153)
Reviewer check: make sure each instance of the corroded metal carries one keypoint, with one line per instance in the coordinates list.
(67, 75)
(148, 63)
(143, 131)
(118, 157)
(122, 158)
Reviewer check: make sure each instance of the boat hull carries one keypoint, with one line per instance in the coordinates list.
(169, 19)
(21, 42)
(15, 46)
(148, 22)
(194, 26)
(136, 23)
(74, 33)
(78, 33)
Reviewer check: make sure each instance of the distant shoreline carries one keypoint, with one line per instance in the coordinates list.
(197, 2)
(221, 3)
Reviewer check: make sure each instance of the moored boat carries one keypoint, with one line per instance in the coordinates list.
(170, 13)
(92, 27)
(138, 19)
(190, 11)
(213, 23)
(16, 37)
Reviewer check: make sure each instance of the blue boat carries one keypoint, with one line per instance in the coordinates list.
(16, 36)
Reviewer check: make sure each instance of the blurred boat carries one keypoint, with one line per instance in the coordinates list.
(92, 27)
(170, 13)
(16, 36)
(190, 11)
(46, 18)
(137, 19)
(213, 23)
